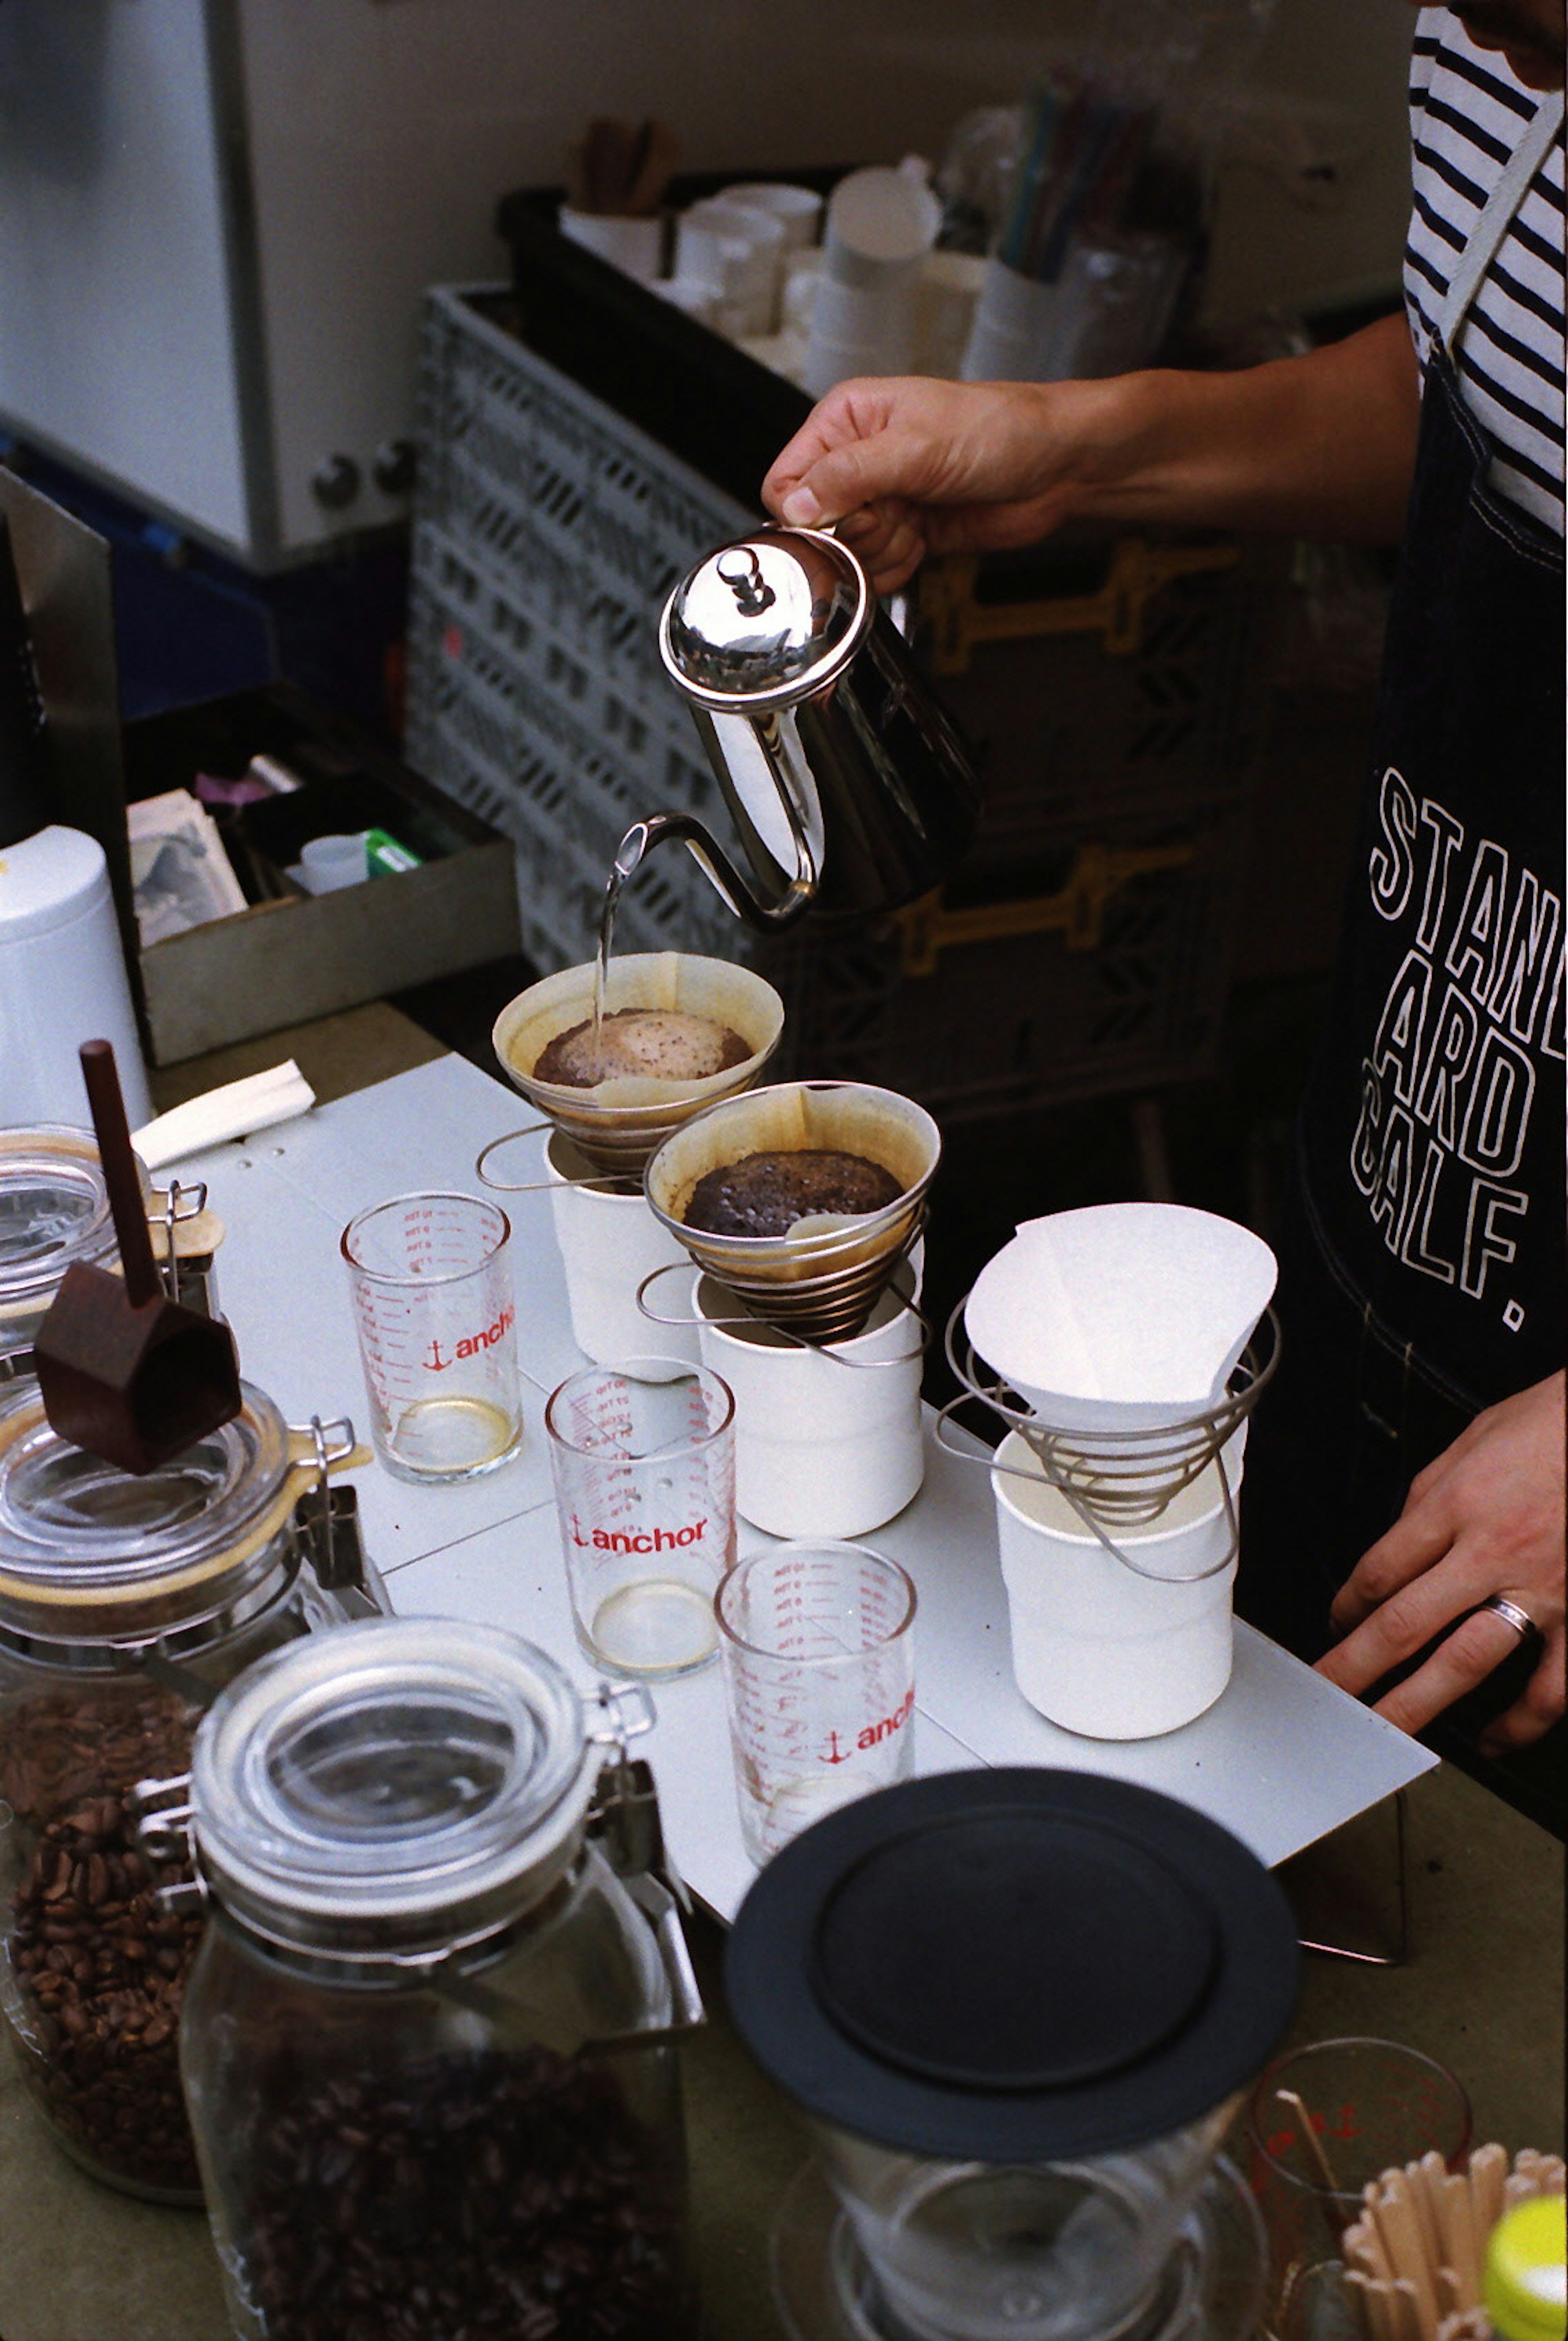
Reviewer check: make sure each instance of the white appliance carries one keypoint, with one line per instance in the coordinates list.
(61, 981)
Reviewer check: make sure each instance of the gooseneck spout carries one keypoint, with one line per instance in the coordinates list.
(763, 917)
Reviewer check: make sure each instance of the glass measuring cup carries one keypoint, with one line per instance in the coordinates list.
(819, 1672)
(432, 1290)
(644, 1458)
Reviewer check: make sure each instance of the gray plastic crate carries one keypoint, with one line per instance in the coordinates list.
(549, 531)
(550, 528)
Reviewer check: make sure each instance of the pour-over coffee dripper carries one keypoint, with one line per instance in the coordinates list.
(1126, 1344)
(1018, 2009)
(823, 1278)
(617, 1123)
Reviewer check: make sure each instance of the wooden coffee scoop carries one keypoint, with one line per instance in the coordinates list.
(124, 1372)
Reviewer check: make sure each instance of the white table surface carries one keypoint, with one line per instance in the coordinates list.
(1281, 1759)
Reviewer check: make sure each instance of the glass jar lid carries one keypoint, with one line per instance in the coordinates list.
(767, 620)
(79, 1536)
(54, 1211)
(395, 1786)
(1015, 1965)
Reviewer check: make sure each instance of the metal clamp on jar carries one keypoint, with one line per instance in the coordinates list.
(126, 1606)
(428, 2040)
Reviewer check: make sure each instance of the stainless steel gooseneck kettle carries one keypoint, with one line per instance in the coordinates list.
(849, 785)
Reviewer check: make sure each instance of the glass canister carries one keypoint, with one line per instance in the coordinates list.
(54, 1211)
(427, 2042)
(1018, 2007)
(126, 1605)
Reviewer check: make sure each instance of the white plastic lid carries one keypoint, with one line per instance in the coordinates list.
(48, 881)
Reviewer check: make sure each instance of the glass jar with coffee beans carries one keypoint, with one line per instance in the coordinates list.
(126, 1605)
(428, 2038)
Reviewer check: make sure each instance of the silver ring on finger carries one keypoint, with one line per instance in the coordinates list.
(1513, 1614)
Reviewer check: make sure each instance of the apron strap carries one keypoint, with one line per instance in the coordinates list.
(1496, 215)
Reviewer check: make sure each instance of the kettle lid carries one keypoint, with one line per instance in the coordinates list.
(766, 620)
(1013, 1964)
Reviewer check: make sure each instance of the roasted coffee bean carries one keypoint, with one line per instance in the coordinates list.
(98, 1962)
(499, 2196)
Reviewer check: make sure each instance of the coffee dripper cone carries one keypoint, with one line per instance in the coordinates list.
(824, 1277)
(619, 1123)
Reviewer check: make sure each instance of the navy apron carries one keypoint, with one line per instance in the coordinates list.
(1422, 1251)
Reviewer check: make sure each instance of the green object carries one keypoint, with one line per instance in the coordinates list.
(386, 856)
(1526, 2279)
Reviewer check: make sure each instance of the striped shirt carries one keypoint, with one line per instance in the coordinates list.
(1467, 113)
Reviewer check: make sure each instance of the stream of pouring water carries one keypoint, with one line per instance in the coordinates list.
(628, 854)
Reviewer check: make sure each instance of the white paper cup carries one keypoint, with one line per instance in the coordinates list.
(861, 328)
(822, 1448)
(635, 246)
(1096, 1648)
(688, 294)
(879, 218)
(944, 311)
(798, 210)
(1011, 336)
(750, 280)
(608, 1244)
(801, 270)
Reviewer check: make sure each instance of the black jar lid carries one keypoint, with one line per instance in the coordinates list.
(1012, 1964)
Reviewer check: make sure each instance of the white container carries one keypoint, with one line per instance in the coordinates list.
(823, 1448)
(801, 270)
(798, 210)
(327, 864)
(750, 282)
(691, 294)
(61, 981)
(634, 247)
(609, 1243)
(881, 225)
(944, 314)
(1097, 1647)
(1011, 332)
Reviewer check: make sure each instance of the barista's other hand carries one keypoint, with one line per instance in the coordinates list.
(910, 466)
(1487, 1517)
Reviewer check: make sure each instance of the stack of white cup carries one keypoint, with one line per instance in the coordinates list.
(735, 244)
(736, 250)
(881, 225)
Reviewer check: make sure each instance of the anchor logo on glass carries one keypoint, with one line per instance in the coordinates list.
(471, 1344)
(871, 1735)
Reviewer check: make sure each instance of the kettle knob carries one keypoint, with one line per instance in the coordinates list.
(765, 620)
(742, 574)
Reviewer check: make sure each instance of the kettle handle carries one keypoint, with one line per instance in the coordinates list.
(766, 918)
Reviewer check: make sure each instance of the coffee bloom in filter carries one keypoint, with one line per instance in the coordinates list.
(821, 1279)
(617, 1123)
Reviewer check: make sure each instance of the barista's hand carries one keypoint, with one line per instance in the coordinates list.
(911, 467)
(1487, 1517)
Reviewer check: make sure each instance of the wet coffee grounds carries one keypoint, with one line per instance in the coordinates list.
(650, 1043)
(765, 1194)
(501, 2195)
(97, 1965)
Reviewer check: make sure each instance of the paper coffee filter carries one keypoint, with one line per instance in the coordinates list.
(618, 1122)
(1124, 1315)
(825, 1276)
